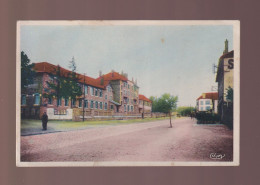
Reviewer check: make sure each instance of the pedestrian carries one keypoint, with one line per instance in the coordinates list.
(44, 121)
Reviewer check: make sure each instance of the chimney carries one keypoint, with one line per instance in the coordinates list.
(226, 47)
(100, 73)
(102, 80)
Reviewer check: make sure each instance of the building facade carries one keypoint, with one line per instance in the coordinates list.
(207, 102)
(109, 96)
(145, 105)
(225, 80)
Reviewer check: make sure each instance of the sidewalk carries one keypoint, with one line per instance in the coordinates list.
(34, 127)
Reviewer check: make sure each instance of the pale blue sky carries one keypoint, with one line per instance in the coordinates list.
(164, 59)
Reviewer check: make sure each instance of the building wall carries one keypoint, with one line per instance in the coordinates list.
(203, 104)
(125, 93)
(146, 106)
(228, 76)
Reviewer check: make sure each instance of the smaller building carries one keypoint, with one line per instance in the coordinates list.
(145, 104)
(207, 102)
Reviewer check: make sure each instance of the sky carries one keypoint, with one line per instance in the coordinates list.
(173, 59)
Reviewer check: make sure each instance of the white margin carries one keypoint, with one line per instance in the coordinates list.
(236, 122)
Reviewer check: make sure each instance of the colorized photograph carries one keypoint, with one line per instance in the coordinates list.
(127, 93)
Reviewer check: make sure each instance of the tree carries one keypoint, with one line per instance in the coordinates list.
(56, 88)
(165, 104)
(27, 72)
(229, 94)
(64, 84)
(185, 111)
(73, 78)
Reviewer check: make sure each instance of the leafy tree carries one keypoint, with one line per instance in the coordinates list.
(64, 84)
(165, 104)
(56, 88)
(185, 111)
(27, 72)
(229, 94)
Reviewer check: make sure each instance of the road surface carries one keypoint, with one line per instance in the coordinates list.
(151, 141)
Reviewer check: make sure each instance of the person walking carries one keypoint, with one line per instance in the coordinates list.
(44, 121)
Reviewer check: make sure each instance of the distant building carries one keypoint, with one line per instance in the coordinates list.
(145, 104)
(207, 102)
(225, 79)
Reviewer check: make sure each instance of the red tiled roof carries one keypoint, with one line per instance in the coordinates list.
(142, 97)
(209, 95)
(113, 76)
(50, 68)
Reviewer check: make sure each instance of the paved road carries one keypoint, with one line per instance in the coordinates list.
(152, 141)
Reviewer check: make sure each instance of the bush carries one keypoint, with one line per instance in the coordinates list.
(207, 118)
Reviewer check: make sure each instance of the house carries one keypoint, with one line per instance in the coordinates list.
(225, 80)
(107, 96)
(145, 105)
(207, 102)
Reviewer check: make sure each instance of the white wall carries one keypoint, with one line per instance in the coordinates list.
(68, 116)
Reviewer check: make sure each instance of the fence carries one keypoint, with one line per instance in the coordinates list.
(110, 115)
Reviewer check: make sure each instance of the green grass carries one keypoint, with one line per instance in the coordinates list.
(79, 124)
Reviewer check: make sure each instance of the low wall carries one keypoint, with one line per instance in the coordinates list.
(53, 116)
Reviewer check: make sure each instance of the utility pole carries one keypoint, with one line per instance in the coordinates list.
(84, 100)
(143, 110)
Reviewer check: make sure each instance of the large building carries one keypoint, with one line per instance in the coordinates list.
(225, 80)
(109, 96)
(207, 102)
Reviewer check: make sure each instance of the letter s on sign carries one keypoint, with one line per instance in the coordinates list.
(230, 64)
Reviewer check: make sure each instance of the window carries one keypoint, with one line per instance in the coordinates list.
(100, 93)
(201, 102)
(105, 106)
(110, 98)
(92, 91)
(92, 104)
(86, 103)
(96, 105)
(128, 108)
(96, 92)
(208, 102)
(86, 89)
(23, 99)
(59, 102)
(208, 108)
(201, 108)
(106, 97)
(50, 100)
(66, 101)
(73, 102)
(125, 107)
(37, 99)
(101, 105)
(132, 108)
(111, 107)
(80, 102)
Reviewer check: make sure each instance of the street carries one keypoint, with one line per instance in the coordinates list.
(151, 141)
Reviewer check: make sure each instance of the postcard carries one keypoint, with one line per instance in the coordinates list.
(127, 93)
